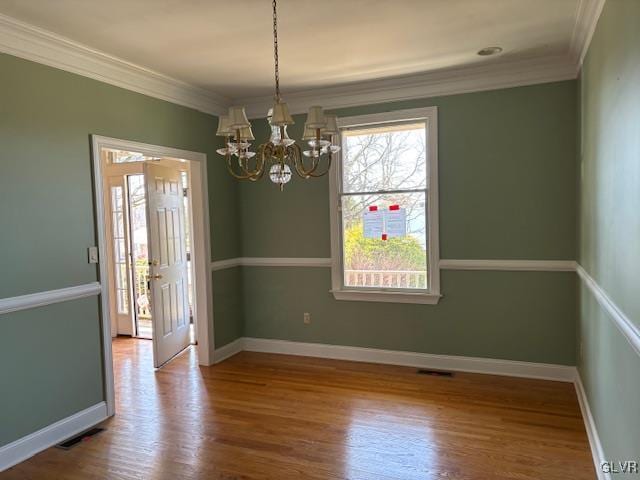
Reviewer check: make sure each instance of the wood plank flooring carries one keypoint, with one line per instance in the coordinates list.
(264, 416)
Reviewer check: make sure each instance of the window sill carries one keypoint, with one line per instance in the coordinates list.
(389, 297)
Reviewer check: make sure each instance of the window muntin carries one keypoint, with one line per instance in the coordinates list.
(384, 169)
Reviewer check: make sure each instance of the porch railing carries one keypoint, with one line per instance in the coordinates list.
(142, 291)
(386, 278)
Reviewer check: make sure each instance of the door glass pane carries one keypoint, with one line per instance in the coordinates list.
(385, 241)
(139, 251)
(119, 250)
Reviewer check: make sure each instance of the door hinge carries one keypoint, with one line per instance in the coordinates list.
(185, 192)
(188, 256)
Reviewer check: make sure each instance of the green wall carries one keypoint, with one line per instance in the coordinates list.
(50, 358)
(507, 191)
(509, 315)
(609, 229)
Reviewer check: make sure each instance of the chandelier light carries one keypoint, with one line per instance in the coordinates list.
(280, 155)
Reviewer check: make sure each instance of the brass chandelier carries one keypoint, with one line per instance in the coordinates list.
(280, 154)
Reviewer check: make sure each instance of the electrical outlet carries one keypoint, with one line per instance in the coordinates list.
(307, 318)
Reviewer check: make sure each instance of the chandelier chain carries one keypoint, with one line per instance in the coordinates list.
(275, 49)
(280, 156)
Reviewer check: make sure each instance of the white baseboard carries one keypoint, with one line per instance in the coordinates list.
(228, 350)
(490, 366)
(26, 447)
(597, 451)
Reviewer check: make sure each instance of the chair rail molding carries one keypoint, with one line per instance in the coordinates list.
(224, 264)
(510, 265)
(270, 262)
(285, 262)
(49, 297)
(445, 264)
(628, 329)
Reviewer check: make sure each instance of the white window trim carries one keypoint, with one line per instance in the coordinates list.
(431, 296)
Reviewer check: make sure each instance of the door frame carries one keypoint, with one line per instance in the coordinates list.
(201, 254)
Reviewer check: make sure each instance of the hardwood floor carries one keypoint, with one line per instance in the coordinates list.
(263, 416)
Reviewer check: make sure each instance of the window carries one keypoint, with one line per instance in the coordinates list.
(384, 210)
(126, 156)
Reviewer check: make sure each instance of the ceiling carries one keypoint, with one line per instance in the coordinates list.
(226, 46)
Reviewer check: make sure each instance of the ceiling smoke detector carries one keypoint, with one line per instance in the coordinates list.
(485, 52)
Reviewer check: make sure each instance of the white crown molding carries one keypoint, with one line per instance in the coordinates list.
(597, 452)
(32, 43)
(40, 299)
(490, 76)
(26, 447)
(36, 44)
(587, 15)
(563, 373)
(510, 265)
(628, 329)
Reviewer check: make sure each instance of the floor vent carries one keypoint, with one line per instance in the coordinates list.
(435, 373)
(82, 437)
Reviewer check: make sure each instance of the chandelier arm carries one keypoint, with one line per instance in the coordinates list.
(261, 161)
(239, 176)
(258, 170)
(301, 170)
(298, 162)
(236, 175)
(316, 175)
(306, 173)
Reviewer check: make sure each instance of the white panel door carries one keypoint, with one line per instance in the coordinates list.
(168, 262)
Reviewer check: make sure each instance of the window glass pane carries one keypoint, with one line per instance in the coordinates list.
(385, 241)
(116, 198)
(118, 225)
(391, 157)
(123, 303)
(120, 252)
(119, 249)
(123, 156)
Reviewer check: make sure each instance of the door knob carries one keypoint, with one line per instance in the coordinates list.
(156, 277)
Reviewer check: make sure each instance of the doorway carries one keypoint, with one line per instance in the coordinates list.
(153, 235)
(127, 227)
